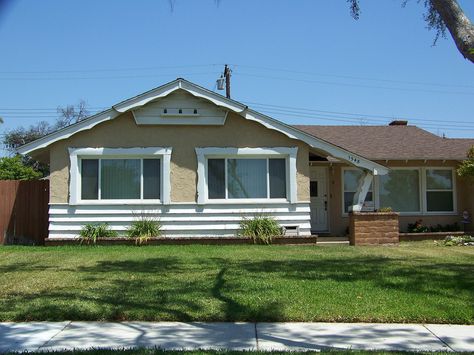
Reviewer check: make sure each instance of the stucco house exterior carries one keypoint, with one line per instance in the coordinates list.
(200, 162)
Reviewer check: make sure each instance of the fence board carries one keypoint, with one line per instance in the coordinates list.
(24, 211)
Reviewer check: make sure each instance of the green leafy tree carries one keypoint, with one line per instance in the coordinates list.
(466, 169)
(441, 16)
(13, 168)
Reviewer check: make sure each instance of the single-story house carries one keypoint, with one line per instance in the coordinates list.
(200, 162)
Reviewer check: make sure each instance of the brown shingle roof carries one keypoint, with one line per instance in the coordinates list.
(392, 142)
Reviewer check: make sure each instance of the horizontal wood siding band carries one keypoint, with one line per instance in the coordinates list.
(179, 209)
(177, 220)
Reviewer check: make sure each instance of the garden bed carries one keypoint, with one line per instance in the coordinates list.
(427, 236)
(184, 240)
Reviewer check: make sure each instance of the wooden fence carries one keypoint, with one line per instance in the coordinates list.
(24, 211)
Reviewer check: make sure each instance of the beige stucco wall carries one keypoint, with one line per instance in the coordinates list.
(339, 223)
(122, 132)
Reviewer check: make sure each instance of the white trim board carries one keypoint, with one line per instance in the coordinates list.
(75, 175)
(289, 153)
(219, 100)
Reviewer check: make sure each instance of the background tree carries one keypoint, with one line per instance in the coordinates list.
(466, 169)
(441, 15)
(66, 116)
(17, 137)
(13, 168)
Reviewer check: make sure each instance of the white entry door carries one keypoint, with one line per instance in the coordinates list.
(319, 198)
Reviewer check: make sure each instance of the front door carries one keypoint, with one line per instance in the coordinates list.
(319, 198)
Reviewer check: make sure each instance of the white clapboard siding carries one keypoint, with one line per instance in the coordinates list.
(177, 219)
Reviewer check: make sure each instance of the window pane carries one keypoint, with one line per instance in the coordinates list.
(439, 201)
(439, 180)
(400, 189)
(247, 178)
(313, 189)
(90, 179)
(277, 170)
(349, 199)
(216, 178)
(120, 179)
(351, 181)
(151, 178)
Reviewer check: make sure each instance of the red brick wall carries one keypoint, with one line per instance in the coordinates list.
(373, 228)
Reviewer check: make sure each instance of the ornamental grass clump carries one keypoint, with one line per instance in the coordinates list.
(143, 229)
(261, 229)
(90, 233)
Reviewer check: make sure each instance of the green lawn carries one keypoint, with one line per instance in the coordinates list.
(213, 352)
(415, 282)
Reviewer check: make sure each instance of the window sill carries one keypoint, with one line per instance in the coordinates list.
(117, 202)
(246, 201)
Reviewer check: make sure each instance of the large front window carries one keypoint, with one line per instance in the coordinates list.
(246, 178)
(409, 190)
(400, 190)
(120, 179)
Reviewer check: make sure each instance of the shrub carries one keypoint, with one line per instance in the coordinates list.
(385, 209)
(260, 229)
(143, 229)
(417, 227)
(454, 240)
(91, 232)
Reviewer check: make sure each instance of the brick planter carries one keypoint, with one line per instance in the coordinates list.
(373, 228)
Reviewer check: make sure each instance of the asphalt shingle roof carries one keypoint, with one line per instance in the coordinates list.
(392, 142)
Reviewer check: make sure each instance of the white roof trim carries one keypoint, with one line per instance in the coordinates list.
(219, 100)
(182, 84)
(68, 131)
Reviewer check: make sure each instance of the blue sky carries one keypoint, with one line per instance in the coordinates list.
(304, 62)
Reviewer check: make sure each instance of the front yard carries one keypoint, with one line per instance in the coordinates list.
(416, 282)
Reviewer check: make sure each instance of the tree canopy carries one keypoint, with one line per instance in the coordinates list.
(466, 169)
(441, 16)
(13, 168)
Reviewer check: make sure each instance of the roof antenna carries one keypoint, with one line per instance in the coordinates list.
(225, 77)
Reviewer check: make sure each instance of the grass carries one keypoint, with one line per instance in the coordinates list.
(415, 282)
(214, 352)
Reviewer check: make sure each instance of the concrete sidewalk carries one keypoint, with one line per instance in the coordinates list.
(44, 336)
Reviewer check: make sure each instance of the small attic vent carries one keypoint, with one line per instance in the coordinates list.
(398, 123)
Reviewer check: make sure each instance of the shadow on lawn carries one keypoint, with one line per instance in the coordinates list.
(169, 288)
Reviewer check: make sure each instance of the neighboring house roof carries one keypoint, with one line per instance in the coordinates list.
(219, 100)
(392, 142)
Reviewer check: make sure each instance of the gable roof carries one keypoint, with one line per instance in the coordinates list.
(219, 100)
(392, 142)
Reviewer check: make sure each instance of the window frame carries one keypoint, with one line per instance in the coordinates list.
(287, 153)
(374, 188)
(78, 154)
(422, 188)
(425, 191)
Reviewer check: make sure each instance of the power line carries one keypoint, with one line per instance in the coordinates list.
(350, 77)
(109, 70)
(358, 115)
(98, 77)
(309, 81)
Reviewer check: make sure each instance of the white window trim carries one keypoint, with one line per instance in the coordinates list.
(422, 188)
(289, 153)
(75, 155)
